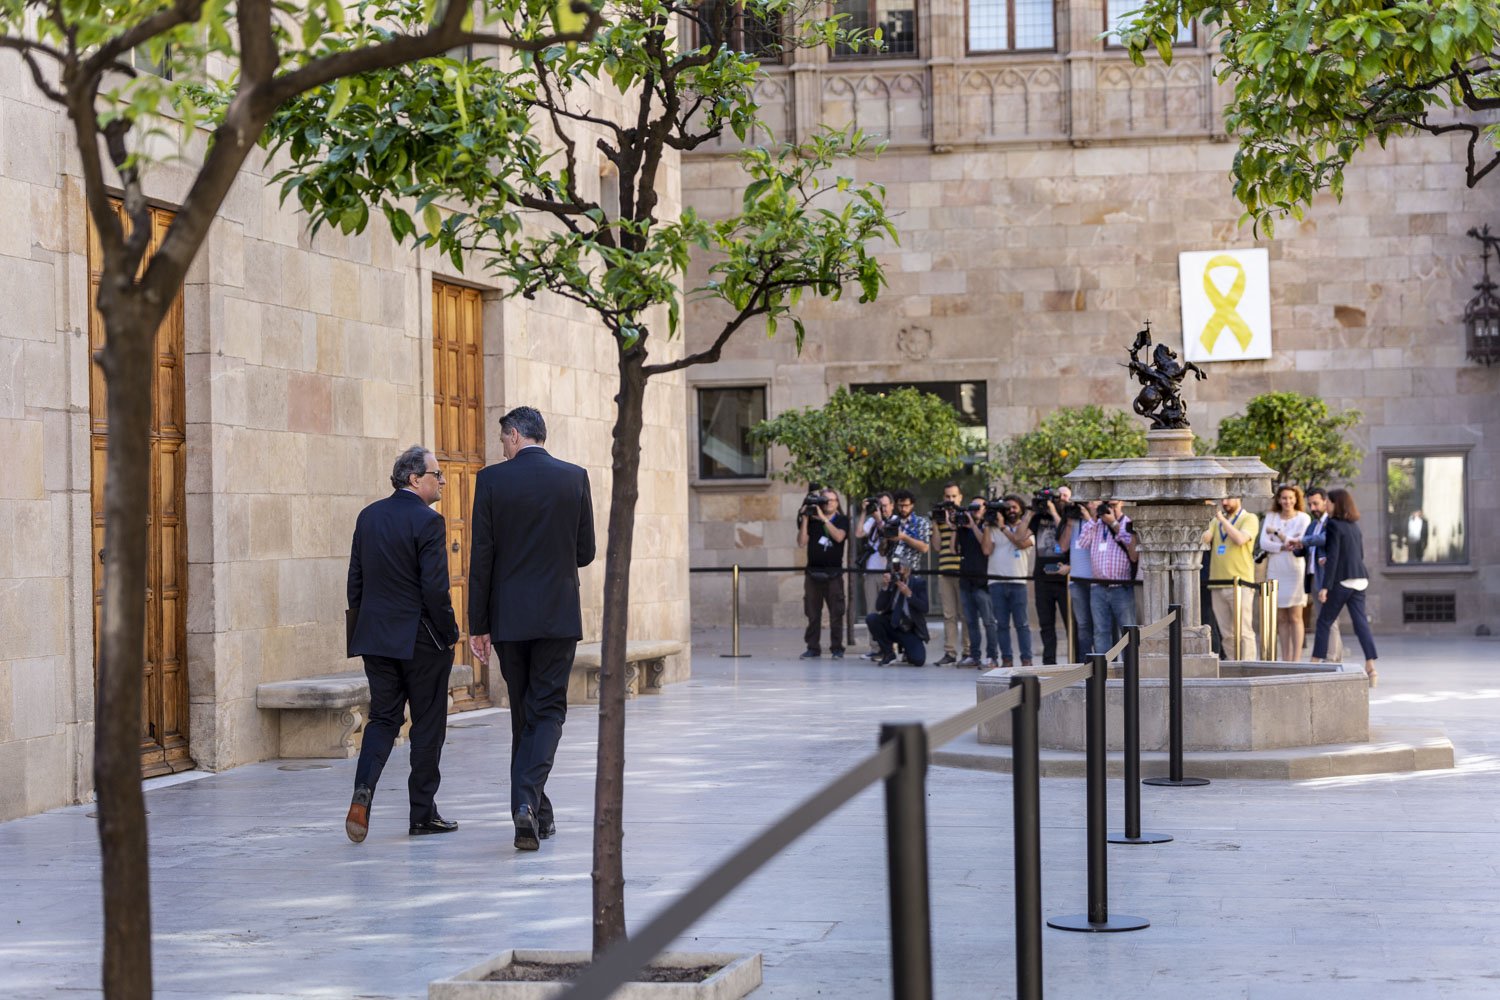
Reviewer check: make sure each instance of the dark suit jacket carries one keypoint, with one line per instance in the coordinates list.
(533, 527)
(916, 606)
(1315, 540)
(398, 578)
(1345, 548)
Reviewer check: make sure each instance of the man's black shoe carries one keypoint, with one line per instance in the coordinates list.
(357, 823)
(837, 654)
(526, 831)
(549, 828)
(810, 654)
(435, 825)
(947, 660)
(887, 660)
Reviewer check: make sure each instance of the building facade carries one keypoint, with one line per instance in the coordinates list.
(291, 373)
(1044, 187)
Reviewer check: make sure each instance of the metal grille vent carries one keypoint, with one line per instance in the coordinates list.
(1418, 609)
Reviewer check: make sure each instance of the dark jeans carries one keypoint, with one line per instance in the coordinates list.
(1113, 609)
(978, 609)
(1083, 619)
(1338, 597)
(1051, 604)
(422, 681)
(815, 594)
(536, 681)
(885, 635)
(1009, 603)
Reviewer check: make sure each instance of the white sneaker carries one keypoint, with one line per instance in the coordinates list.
(989, 665)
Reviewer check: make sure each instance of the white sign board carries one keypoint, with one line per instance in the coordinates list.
(1226, 304)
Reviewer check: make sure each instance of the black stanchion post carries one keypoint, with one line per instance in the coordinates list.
(1097, 918)
(1174, 776)
(906, 856)
(1132, 684)
(1026, 792)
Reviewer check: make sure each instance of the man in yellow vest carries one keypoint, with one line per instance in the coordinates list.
(1231, 556)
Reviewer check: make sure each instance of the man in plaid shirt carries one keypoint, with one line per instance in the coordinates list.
(1113, 551)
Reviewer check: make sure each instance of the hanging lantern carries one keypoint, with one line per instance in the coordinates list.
(1482, 314)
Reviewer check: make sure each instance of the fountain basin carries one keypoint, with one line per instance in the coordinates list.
(1251, 705)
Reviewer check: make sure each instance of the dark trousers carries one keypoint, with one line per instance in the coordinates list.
(536, 680)
(885, 635)
(1051, 605)
(1339, 597)
(815, 594)
(421, 681)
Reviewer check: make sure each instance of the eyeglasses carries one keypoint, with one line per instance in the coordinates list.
(433, 472)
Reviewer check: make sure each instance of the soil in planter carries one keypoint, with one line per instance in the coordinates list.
(564, 972)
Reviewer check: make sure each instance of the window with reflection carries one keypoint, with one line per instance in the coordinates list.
(725, 416)
(896, 20)
(727, 22)
(1011, 25)
(1116, 11)
(1426, 509)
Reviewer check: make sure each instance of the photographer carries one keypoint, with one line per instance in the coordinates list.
(974, 548)
(822, 530)
(900, 616)
(955, 623)
(911, 535)
(1050, 573)
(1078, 516)
(878, 509)
(1113, 554)
(1011, 547)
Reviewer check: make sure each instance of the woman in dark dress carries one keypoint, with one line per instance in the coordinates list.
(1345, 580)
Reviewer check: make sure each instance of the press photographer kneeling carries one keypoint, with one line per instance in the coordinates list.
(822, 529)
(900, 616)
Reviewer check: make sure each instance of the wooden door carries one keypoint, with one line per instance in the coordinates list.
(458, 395)
(164, 701)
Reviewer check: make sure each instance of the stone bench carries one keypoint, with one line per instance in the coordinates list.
(648, 666)
(325, 716)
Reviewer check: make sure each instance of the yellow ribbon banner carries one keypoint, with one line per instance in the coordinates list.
(1225, 315)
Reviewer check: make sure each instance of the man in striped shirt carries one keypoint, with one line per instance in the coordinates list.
(954, 622)
(1113, 553)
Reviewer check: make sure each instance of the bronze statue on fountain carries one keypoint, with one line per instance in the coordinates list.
(1160, 398)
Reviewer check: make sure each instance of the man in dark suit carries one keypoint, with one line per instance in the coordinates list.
(402, 624)
(900, 616)
(532, 528)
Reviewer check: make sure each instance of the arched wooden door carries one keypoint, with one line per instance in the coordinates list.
(458, 395)
(164, 701)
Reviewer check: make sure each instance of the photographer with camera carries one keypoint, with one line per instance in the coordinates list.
(1113, 555)
(974, 548)
(822, 530)
(900, 616)
(878, 509)
(1050, 573)
(911, 533)
(955, 623)
(1076, 517)
(1011, 548)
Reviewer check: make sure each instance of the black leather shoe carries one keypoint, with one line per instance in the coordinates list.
(527, 838)
(435, 825)
(886, 660)
(548, 829)
(357, 823)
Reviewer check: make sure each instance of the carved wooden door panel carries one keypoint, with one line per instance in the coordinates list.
(164, 695)
(458, 394)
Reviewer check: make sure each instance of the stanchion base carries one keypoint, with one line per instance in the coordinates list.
(734, 656)
(1145, 838)
(1169, 783)
(1116, 922)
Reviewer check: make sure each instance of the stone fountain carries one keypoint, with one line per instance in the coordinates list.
(1228, 706)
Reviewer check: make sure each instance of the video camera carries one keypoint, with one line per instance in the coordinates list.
(994, 510)
(890, 527)
(1042, 497)
(943, 512)
(813, 499)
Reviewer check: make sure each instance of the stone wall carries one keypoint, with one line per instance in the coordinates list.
(308, 368)
(1029, 262)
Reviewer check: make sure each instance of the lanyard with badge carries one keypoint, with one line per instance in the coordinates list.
(1223, 535)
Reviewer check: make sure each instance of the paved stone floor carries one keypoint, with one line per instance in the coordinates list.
(1373, 887)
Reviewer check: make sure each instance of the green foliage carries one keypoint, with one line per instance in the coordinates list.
(1066, 437)
(860, 442)
(1315, 82)
(471, 157)
(1297, 436)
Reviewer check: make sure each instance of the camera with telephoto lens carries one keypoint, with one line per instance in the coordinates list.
(890, 528)
(870, 505)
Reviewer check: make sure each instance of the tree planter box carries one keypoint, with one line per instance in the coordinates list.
(738, 977)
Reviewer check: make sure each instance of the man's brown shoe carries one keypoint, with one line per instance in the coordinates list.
(357, 823)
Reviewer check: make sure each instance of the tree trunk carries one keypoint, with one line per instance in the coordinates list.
(609, 783)
(128, 356)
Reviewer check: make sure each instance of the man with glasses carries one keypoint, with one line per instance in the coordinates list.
(401, 623)
(822, 530)
(532, 530)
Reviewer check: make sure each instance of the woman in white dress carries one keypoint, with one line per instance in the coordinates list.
(1286, 522)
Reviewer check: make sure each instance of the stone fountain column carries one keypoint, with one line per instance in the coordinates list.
(1167, 495)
